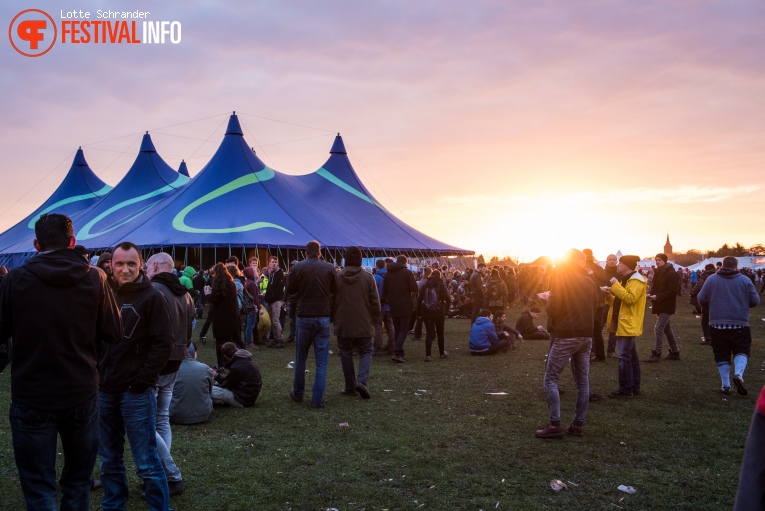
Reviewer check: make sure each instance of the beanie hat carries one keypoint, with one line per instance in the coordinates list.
(663, 257)
(353, 256)
(630, 261)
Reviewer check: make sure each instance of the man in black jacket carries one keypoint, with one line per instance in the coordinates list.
(313, 284)
(275, 298)
(59, 311)
(398, 288)
(664, 292)
(129, 372)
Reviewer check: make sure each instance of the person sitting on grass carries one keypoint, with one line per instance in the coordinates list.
(240, 388)
(525, 325)
(505, 331)
(483, 336)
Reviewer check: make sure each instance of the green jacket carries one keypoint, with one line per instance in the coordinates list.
(632, 309)
(188, 274)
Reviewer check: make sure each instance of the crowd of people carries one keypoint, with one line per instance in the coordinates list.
(125, 366)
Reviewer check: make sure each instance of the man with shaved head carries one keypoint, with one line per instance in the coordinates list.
(159, 268)
(574, 298)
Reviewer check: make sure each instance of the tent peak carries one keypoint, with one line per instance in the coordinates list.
(146, 144)
(233, 127)
(79, 158)
(183, 169)
(338, 147)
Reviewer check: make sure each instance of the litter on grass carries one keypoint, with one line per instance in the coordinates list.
(422, 390)
(626, 489)
(388, 390)
(495, 393)
(344, 425)
(558, 485)
(291, 365)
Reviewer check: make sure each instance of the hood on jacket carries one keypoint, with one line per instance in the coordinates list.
(240, 353)
(60, 268)
(172, 282)
(728, 273)
(249, 273)
(482, 320)
(189, 272)
(351, 274)
(139, 284)
(395, 267)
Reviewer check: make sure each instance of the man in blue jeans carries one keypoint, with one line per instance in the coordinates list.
(313, 284)
(58, 310)
(159, 268)
(574, 299)
(129, 372)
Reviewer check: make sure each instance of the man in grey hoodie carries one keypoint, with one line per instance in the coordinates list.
(356, 312)
(728, 295)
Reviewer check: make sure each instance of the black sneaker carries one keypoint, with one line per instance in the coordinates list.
(176, 487)
(739, 382)
(363, 390)
(295, 398)
(348, 392)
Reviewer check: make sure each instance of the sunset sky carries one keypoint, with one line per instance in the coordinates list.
(514, 128)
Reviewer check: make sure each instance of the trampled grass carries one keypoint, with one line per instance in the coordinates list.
(430, 439)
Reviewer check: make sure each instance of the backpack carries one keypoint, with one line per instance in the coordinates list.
(493, 290)
(430, 299)
(248, 304)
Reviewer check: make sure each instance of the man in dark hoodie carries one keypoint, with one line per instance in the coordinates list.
(159, 268)
(664, 292)
(129, 372)
(728, 295)
(356, 312)
(58, 310)
(241, 386)
(574, 299)
(398, 288)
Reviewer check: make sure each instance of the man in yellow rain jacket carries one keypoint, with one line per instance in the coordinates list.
(625, 319)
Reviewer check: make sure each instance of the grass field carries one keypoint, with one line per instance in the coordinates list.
(430, 439)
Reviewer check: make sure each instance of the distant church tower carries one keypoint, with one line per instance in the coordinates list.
(668, 248)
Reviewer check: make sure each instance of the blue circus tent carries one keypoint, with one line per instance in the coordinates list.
(79, 190)
(237, 201)
(147, 186)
